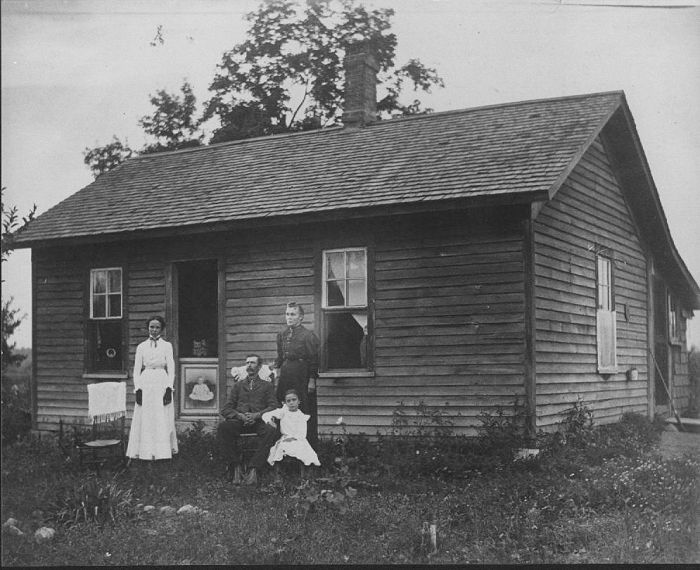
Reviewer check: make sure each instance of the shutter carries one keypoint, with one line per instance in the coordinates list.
(606, 333)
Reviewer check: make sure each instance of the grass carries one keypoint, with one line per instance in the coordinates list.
(602, 497)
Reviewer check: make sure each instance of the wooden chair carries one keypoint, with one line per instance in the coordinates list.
(105, 443)
(248, 445)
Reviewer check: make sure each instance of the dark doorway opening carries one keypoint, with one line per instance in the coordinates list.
(660, 344)
(198, 324)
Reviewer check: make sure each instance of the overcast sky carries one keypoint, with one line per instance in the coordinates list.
(76, 72)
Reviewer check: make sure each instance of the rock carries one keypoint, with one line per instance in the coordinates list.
(148, 508)
(12, 529)
(189, 510)
(168, 511)
(44, 533)
(10, 522)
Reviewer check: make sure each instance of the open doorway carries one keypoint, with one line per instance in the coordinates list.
(198, 336)
(661, 346)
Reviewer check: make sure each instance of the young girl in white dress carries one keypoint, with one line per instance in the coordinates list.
(293, 427)
(152, 434)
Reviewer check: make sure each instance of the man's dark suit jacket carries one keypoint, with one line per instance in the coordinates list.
(242, 398)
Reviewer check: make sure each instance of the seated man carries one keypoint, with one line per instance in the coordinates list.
(249, 399)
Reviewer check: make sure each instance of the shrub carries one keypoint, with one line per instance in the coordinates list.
(92, 501)
(578, 424)
(501, 433)
(199, 445)
(16, 418)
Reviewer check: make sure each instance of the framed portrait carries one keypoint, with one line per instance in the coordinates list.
(199, 392)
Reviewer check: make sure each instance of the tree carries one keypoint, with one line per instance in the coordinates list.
(103, 158)
(11, 226)
(287, 76)
(173, 123)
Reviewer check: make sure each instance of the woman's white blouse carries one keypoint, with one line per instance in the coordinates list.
(149, 356)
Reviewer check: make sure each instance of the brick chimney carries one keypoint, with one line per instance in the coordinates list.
(360, 85)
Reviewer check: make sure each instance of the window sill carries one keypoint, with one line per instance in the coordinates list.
(106, 375)
(347, 374)
(608, 370)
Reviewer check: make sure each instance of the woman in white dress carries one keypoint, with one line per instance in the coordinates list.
(293, 427)
(152, 435)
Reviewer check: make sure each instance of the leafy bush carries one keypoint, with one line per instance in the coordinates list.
(501, 433)
(92, 501)
(578, 424)
(199, 446)
(16, 418)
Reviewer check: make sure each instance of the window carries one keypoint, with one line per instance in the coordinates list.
(673, 322)
(105, 339)
(344, 307)
(605, 316)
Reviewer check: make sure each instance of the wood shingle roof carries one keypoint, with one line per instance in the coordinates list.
(523, 148)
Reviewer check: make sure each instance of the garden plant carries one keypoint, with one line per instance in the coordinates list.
(594, 494)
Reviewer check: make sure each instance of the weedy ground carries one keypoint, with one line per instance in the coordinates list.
(593, 495)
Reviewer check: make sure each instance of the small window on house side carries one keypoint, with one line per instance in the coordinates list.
(105, 342)
(674, 333)
(605, 316)
(344, 308)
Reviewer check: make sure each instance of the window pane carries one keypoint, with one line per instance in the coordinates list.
(115, 306)
(115, 281)
(106, 345)
(99, 282)
(99, 306)
(357, 293)
(336, 265)
(335, 293)
(346, 346)
(357, 267)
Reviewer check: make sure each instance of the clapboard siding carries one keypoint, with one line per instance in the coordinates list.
(448, 325)
(587, 213)
(59, 290)
(262, 274)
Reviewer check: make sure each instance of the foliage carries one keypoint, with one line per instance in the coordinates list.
(198, 446)
(104, 158)
(11, 224)
(173, 123)
(298, 48)
(16, 417)
(578, 424)
(501, 432)
(286, 76)
(11, 227)
(632, 507)
(92, 501)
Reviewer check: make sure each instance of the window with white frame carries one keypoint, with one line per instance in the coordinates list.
(344, 309)
(105, 337)
(674, 332)
(605, 316)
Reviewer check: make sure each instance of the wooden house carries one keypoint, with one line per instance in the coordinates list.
(461, 259)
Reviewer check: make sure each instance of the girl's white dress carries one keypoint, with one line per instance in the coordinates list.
(152, 434)
(293, 441)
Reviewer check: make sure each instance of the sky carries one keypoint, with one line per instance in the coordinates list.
(77, 72)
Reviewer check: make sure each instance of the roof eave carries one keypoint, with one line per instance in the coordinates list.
(292, 219)
(635, 173)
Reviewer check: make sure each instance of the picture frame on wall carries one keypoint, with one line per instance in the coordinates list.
(199, 388)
